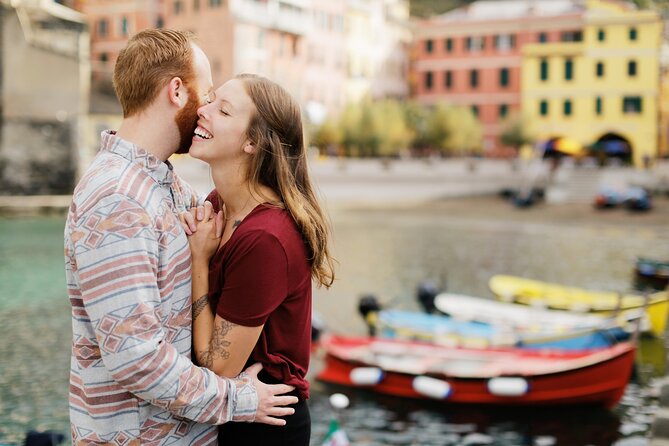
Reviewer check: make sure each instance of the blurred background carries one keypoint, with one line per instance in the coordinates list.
(451, 140)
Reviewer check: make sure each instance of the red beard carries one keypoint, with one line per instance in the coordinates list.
(186, 121)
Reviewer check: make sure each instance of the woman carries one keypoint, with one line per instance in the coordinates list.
(258, 274)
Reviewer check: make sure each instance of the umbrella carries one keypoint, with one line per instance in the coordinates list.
(569, 146)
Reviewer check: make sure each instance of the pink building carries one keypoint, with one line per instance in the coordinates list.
(111, 23)
(472, 56)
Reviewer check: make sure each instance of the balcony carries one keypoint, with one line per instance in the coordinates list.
(288, 16)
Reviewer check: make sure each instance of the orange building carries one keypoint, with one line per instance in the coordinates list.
(472, 56)
(111, 23)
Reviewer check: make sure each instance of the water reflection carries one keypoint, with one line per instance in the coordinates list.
(382, 252)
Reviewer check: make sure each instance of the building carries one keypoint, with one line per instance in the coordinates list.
(378, 38)
(111, 23)
(44, 85)
(601, 90)
(472, 56)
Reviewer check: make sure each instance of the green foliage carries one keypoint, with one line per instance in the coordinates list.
(393, 133)
(427, 8)
(517, 131)
(454, 130)
(327, 135)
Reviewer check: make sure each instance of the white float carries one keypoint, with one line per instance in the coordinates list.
(366, 376)
(508, 386)
(431, 387)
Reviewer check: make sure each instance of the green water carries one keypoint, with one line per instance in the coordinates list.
(31, 262)
(382, 252)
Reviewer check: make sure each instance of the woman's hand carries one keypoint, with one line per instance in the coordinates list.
(205, 229)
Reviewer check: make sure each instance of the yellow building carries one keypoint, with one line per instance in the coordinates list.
(598, 86)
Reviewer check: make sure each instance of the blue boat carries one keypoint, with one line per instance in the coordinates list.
(445, 330)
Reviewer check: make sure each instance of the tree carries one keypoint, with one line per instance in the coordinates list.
(454, 130)
(327, 136)
(393, 133)
(517, 131)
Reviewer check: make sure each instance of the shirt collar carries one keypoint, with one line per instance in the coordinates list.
(161, 171)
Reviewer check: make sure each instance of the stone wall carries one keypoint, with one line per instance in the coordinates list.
(43, 101)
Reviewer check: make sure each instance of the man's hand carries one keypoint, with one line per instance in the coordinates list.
(271, 399)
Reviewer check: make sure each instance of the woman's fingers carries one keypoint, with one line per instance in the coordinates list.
(219, 224)
(208, 210)
(188, 222)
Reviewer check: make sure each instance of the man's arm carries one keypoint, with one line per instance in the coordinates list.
(118, 262)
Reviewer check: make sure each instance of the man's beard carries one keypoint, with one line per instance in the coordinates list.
(186, 121)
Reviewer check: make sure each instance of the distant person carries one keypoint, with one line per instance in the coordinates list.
(258, 275)
(128, 270)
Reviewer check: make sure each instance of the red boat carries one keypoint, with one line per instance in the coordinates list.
(475, 376)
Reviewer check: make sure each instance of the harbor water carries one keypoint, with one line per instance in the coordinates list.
(385, 252)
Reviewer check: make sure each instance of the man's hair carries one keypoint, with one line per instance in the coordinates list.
(147, 63)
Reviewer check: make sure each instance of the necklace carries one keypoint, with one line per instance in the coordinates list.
(238, 221)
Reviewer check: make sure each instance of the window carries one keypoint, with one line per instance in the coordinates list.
(632, 105)
(633, 33)
(178, 7)
(599, 70)
(598, 105)
(566, 108)
(196, 5)
(124, 26)
(104, 57)
(103, 28)
(543, 70)
(505, 42)
(215, 3)
(631, 68)
(543, 37)
(503, 110)
(543, 108)
(474, 44)
(449, 45)
(475, 110)
(448, 79)
(504, 77)
(429, 46)
(601, 35)
(160, 22)
(428, 80)
(568, 69)
(571, 36)
(473, 78)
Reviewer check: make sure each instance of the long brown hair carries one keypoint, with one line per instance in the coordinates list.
(280, 163)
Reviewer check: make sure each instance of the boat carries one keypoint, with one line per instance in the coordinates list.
(651, 274)
(559, 297)
(513, 377)
(449, 331)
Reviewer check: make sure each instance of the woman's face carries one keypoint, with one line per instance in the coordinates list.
(222, 124)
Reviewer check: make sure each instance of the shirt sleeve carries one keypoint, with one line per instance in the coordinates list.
(255, 279)
(117, 257)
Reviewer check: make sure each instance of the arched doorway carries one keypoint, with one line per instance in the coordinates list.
(612, 148)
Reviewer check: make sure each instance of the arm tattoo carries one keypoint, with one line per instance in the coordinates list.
(218, 347)
(200, 305)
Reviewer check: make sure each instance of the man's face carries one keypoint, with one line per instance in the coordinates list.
(186, 119)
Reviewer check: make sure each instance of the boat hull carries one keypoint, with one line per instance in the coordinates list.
(601, 383)
(558, 297)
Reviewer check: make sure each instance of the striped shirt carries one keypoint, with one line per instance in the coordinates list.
(127, 264)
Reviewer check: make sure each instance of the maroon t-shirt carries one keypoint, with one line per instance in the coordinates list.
(262, 276)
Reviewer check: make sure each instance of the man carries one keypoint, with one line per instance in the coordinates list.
(128, 270)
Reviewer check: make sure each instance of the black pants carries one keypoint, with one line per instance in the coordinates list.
(296, 432)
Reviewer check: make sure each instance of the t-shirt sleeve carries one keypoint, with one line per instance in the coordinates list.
(255, 280)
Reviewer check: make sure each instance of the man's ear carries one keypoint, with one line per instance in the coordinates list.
(176, 92)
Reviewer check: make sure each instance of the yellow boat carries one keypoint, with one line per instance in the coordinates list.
(559, 297)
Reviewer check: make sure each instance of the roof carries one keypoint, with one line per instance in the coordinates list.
(512, 9)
